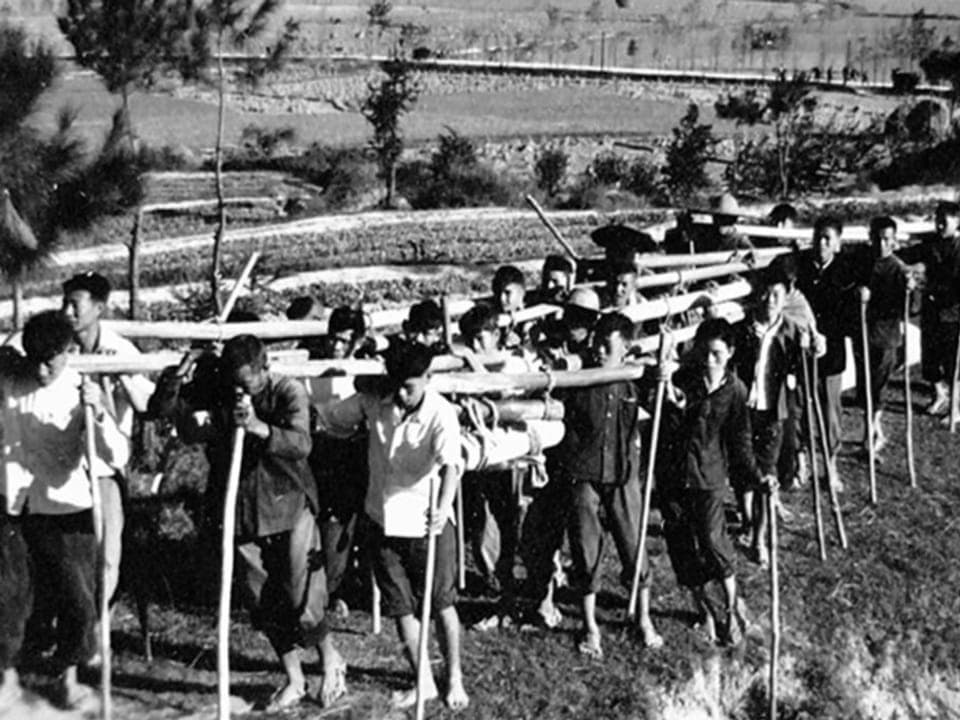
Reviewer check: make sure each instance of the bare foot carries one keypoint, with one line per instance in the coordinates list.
(334, 684)
(649, 636)
(285, 698)
(590, 646)
(10, 690)
(403, 699)
(457, 698)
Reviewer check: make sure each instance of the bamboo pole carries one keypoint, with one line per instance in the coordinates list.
(447, 320)
(911, 467)
(955, 389)
(665, 307)
(155, 362)
(831, 488)
(647, 488)
(461, 544)
(238, 287)
(423, 659)
(774, 600)
(375, 615)
(98, 531)
(567, 247)
(226, 576)
(814, 473)
(868, 401)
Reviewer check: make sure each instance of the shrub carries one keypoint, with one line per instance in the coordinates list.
(460, 185)
(608, 168)
(550, 169)
(642, 178)
(685, 169)
(454, 151)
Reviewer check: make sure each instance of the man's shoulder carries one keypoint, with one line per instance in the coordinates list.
(436, 406)
(112, 342)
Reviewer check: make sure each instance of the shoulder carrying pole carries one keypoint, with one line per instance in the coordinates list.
(105, 667)
(226, 576)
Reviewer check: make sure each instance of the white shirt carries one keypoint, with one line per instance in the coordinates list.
(43, 445)
(405, 454)
(759, 397)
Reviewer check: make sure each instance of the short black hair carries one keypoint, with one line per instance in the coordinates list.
(94, 283)
(300, 307)
(878, 225)
(244, 350)
(423, 317)
(714, 329)
(407, 360)
(347, 318)
(46, 335)
(507, 275)
(785, 266)
(948, 207)
(557, 263)
(783, 212)
(621, 267)
(828, 222)
(480, 317)
(610, 323)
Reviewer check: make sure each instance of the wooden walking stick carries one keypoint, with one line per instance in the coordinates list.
(375, 616)
(423, 659)
(811, 441)
(774, 601)
(955, 388)
(226, 576)
(868, 403)
(831, 489)
(568, 248)
(458, 500)
(96, 500)
(911, 468)
(648, 484)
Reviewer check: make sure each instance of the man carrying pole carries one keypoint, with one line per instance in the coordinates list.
(47, 490)
(414, 442)
(277, 539)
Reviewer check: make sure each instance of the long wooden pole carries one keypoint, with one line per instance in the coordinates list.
(567, 247)
(376, 619)
(814, 472)
(908, 398)
(831, 488)
(98, 531)
(238, 287)
(226, 576)
(774, 601)
(423, 659)
(955, 389)
(458, 500)
(868, 403)
(647, 491)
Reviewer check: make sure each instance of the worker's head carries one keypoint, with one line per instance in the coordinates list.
(826, 237)
(556, 278)
(244, 359)
(47, 338)
(478, 328)
(883, 236)
(947, 218)
(344, 329)
(85, 299)
(508, 289)
(713, 346)
(611, 339)
(623, 283)
(424, 324)
(408, 371)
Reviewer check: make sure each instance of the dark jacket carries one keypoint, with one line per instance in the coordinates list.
(709, 438)
(601, 443)
(941, 285)
(831, 292)
(275, 479)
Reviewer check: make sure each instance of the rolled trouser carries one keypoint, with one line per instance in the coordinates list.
(111, 500)
(15, 588)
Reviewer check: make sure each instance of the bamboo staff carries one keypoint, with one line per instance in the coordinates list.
(567, 247)
(868, 395)
(423, 660)
(458, 500)
(774, 601)
(955, 389)
(226, 576)
(831, 489)
(814, 473)
(98, 531)
(238, 286)
(664, 307)
(648, 485)
(375, 616)
(911, 468)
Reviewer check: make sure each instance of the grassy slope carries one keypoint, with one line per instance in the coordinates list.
(870, 634)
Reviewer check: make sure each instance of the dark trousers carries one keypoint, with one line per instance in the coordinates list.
(596, 507)
(284, 586)
(938, 347)
(792, 440)
(543, 528)
(337, 539)
(493, 522)
(696, 535)
(15, 591)
(63, 550)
